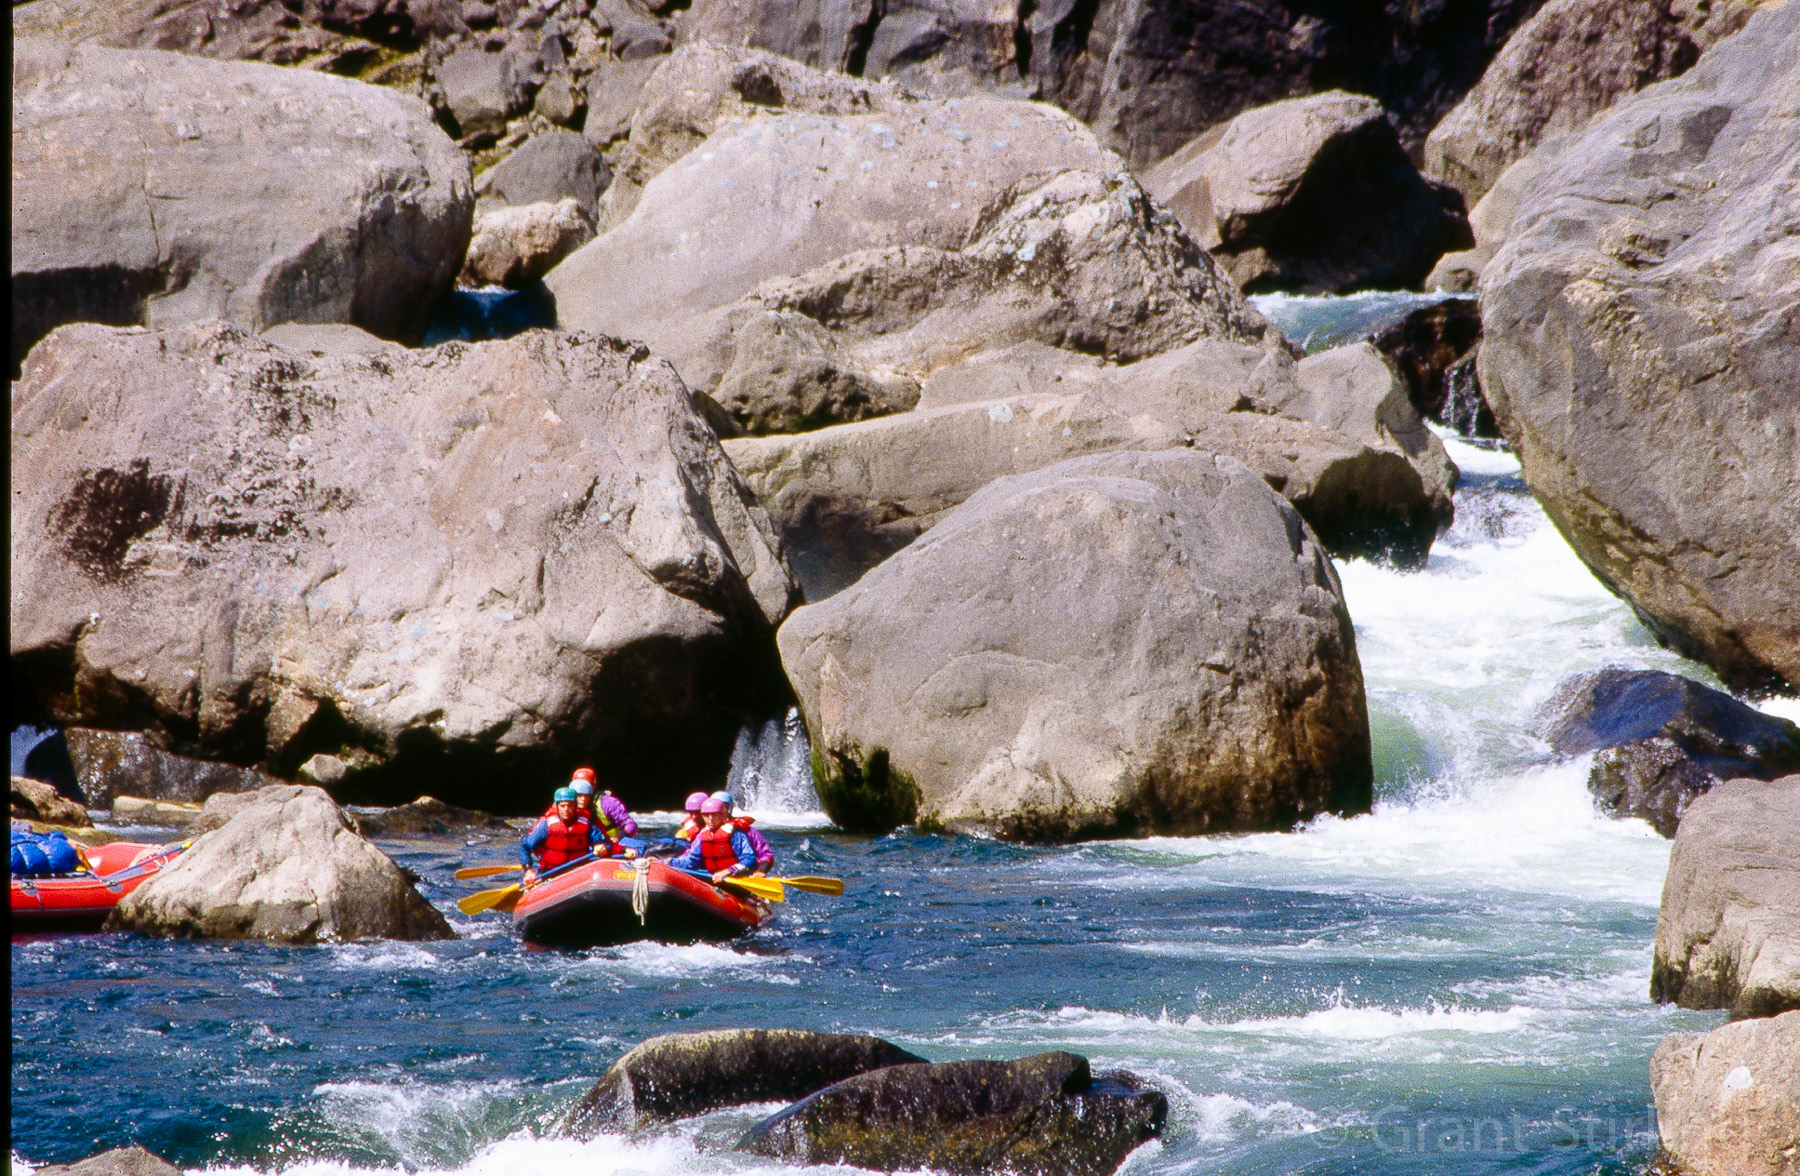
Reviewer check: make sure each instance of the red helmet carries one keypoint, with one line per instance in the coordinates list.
(585, 774)
(694, 801)
(714, 805)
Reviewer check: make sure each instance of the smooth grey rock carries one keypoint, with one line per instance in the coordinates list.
(161, 189)
(679, 1075)
(516, 246)
(548, 167)
(612, 94)
(1490, 219)
(326, 339)
(1313, 195)
(1638, 353)
(136, 810)
(453, 568)
(1114, 645)
(1728, 1102)
(1044, 1115)
(131, 763)
(483, 89)
(1728, 933)
(119, 1161)
(557, 101)
(287, 866)
(34, 800)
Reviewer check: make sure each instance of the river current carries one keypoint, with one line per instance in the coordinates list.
(1455, 983)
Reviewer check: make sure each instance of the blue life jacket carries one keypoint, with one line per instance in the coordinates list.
(38, 855)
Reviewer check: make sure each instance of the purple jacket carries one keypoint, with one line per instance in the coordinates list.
(613, 810)
(765, 856)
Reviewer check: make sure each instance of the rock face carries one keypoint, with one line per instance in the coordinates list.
(1572, 59)
(287, 867)
(1728, 1102)
(158, 188)
(1118, 644)
(1663, 740)
(111, 764)
(1044, 1115)
(1312, 195)
(35, 800)
(685, 1074)
(1728, 934)
(428, 817)
(514, 247)
(1635, 354)
(1433, 349)
(120, 1161)
(451, 569)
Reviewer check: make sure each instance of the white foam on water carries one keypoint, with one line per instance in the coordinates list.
(1784, 708)
(1227, 1118)
(1474, 459)
(696, 960)
(386, 955)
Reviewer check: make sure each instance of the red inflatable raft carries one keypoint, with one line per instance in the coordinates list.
(81, 902)
(607, 901)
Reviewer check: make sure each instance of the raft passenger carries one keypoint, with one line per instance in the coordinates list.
(690, 828)
(745, 824)
(606, 811)
(561, 838)
(720, 850)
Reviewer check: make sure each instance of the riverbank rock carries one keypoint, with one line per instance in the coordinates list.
(549, 168)
(455, 570)
(680, 1075)
(120, 1161)
(159, 188)
(1728, 933)
(1664, 740)
(516, 246)
(1115, 645)
(1635, 356)
(287, 866)
(1569, 61)
(1314, 196)
(429, 817)
(1044, 1115)
(35, 800)
(110, 764)
(1728, 1102)
(1433, 349)
(136, 810)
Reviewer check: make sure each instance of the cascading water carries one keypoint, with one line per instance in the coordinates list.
(771, 767)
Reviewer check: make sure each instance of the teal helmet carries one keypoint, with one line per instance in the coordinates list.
(563, 794)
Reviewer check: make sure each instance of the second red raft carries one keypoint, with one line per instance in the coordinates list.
(600, 902)
(81, 902)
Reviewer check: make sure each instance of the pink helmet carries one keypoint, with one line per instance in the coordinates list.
(713, 804)
(694, 801)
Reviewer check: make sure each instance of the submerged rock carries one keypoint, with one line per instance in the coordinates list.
(1728, 933)
(1728, 1102)
(1664, 740)
(1116, 645)
(1044, 1115)
(1638, 355)
(110, 764)
(35, 800)
(287, 866)
(119, 1161)
(684, 1074)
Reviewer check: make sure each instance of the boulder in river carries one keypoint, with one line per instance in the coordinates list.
(1045, 1115)
(287, 866)
(680, 1075)
(1728, 933)
(35, 800)
(1639, 355)
(452, 569)
(1663, 740)
(110, 764)
(429, 817)
(1115, 645)
(1312, 195)
(1728, 1102)
(1433, 349)
(159, 188)
(119, 1161)
(514, 246)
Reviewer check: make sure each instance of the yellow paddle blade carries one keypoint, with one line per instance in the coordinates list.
(487, 900)
(763, 888)
(468, 872)
(816, 885)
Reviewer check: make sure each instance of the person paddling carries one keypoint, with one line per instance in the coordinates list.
(606, 811)
(744, 823)
(560, 838)
(719, 849)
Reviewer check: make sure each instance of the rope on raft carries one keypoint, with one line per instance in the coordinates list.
(640, 890)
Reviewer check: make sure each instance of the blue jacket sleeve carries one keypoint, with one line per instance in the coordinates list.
(691, 859)
(533, 841)
(746, 853)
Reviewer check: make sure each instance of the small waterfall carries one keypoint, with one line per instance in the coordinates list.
(771, 767)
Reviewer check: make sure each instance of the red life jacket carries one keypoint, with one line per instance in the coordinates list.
(689, 830)
(715, 849)
(564, 843)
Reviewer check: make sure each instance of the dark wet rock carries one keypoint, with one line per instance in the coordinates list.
(1311, 195)
(1728, 932)
(161, 189)
(120, 1161)
(1726, 1100)
(1638, 355)
(134, 763)
(1044, 1115)
(684, 1074)
(1664, 740)
(428, 817)
(286, 866)
(1434, 351)
(548, 167)
(48, 760)
(1115, 645)
(36, 800)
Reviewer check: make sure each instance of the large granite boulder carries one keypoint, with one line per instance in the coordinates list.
(1728, 1102)
(1115, 645)
(1045, 1115)
(514, 246)
(1571, 60)
(1492, 217)
(35, 800)
(160, 188)
(680, 1075)
(1313, 195)
(1728, 934)
(111, 764)
(1638, 352)
(119, 1161)
(451, 569)
(1663, 740)
(1146, 77)
(289, 867)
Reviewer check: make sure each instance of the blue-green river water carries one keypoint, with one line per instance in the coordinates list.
(1456, 983)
